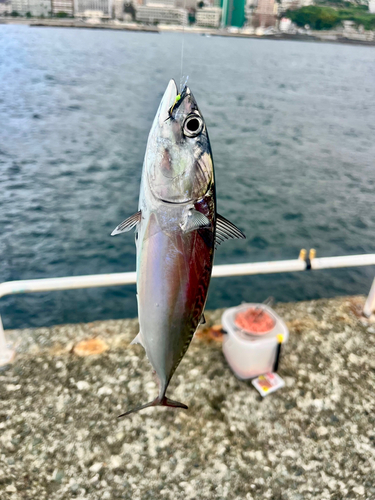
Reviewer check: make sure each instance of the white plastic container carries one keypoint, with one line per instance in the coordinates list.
(250, 355)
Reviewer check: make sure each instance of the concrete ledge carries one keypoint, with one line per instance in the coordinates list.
(314, 439)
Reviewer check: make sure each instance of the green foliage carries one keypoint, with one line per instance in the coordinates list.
(14, 13)
(28, 15)
(341, 4)
(129, 9)
(62, 14)
(359, 16)
(320, 17)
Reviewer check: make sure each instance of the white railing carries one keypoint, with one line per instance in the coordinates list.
(98, 280)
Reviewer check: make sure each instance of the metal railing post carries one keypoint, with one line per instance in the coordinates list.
(6, 354)
(369, 308)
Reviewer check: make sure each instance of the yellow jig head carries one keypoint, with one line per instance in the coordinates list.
(178, 97)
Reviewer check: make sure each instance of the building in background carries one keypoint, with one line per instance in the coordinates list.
(265, 14)
(5, 7)
(118, 9)
(161, 12)
(93, 8)
(186, 4)
(285, 5)
(162, 3)
(233, 13)
(35, 8)
(20, 6)
(250, 7)
(208, 16)
(62, 6)
(371, 6)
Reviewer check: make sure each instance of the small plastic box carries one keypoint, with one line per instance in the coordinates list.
(250, 355)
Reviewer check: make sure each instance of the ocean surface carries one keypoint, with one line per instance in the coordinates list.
(292, 131)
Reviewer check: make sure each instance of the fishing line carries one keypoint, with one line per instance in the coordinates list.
(182, 49)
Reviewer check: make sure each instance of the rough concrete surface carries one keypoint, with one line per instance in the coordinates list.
(313, 439)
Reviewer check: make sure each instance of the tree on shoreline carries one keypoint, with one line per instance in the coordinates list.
(322, 17)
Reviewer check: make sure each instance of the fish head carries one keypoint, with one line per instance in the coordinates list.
(178, 158)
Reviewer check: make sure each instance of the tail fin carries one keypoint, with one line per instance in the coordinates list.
(164, 401)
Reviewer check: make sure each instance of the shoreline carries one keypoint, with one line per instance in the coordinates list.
(333, 37)
(59, 23)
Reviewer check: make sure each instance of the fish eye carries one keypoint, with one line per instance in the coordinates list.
(193, 126)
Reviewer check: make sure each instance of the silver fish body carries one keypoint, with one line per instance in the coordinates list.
(176, 232)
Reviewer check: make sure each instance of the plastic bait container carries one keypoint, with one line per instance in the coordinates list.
(251, 344)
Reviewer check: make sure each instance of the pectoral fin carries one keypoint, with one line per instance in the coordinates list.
(128, 224)
(194, 220)
(225, 230)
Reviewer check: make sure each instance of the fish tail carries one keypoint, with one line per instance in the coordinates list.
(172, 404)
(159, 401)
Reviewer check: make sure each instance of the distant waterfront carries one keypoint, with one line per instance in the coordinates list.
(292, 130)
(330, 36)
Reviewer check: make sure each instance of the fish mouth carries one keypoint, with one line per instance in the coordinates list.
(185, 91)
(167, 101)
(172, 101)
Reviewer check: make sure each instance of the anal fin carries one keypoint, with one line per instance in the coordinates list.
(137, 340)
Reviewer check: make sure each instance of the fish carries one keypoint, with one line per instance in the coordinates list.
(177, 230)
